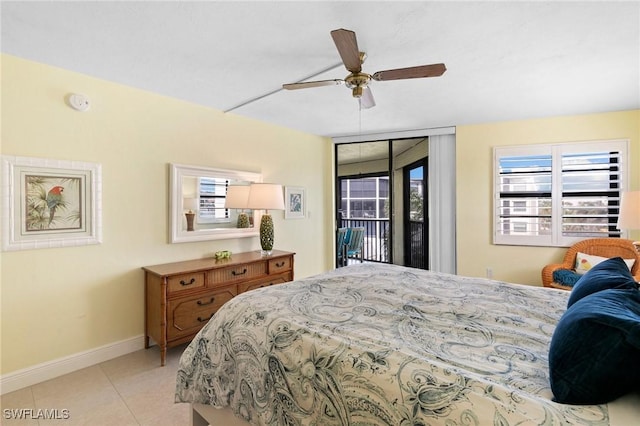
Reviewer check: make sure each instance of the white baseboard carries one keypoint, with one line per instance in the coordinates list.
(58, 367)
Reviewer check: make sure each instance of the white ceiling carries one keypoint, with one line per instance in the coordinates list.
(505, 60)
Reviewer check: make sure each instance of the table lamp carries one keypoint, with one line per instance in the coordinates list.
(266, 196)
(237, 197)
(629, 216)
(190, 204)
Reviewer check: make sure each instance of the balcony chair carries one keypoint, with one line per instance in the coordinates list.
(603, 247)
(341, 245)
(355, 244)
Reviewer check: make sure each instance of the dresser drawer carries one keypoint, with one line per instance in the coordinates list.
(186, 282)
(252, 285)
(188, 315)
(236, 273)
(277, 266)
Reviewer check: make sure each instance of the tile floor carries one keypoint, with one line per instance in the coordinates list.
(130, 390)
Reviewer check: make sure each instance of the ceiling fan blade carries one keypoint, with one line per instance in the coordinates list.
(308, 84)
(347, 46)
(421, 71)
(366, 100)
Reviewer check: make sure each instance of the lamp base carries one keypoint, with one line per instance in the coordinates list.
(266, 253)
(190, 217)
(266, 234)
(243, 220)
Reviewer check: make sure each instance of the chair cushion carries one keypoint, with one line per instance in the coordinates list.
(565, 277)
(595, 348)
(611, 273)
(584, 262)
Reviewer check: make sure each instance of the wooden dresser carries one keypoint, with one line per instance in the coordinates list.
(181, 297)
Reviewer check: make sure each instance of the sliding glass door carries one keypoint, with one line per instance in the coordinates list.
(402, 191)
(364, 203)
(364, 196)
(416, 229)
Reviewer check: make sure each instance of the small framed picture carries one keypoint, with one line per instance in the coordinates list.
(294, 202)
(50, 203)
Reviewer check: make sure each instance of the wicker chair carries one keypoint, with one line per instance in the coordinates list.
(604, 247)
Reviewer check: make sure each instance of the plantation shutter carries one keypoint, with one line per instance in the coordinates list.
(213, 192)
(591, 186)
(556, 195)
(524, 196)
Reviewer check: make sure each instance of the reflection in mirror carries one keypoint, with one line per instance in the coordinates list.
(199, 210)
(238, 198)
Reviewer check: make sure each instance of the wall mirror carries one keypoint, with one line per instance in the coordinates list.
(198, 210)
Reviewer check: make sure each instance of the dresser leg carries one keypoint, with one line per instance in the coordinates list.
(146, 342)
(163, 355)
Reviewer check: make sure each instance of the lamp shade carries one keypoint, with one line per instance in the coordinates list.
(266, 196)
(629, 217)
(190, 204)
(237, 197)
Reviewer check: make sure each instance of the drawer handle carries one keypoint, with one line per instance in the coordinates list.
(201, 303)
(235, 273)
(266, 285)
(205, 319)
(183, 282)
(281, 264)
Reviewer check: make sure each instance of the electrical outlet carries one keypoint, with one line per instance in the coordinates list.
(489, 273)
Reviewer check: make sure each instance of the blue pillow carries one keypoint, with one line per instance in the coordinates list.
(595, 348)
(565, 277)
(610, 273)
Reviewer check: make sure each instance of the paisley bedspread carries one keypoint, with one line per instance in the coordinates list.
(376, 344)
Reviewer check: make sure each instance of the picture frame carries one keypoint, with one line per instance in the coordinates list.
(294, 202)
(49, 203)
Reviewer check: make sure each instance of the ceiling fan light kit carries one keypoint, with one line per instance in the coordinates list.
(358, 81)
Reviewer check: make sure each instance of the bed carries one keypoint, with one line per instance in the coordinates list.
(378, 344)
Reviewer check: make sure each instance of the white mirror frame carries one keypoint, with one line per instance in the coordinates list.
(176, 215)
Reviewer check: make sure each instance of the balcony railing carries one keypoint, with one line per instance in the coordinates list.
(376, 237)
(416, 245)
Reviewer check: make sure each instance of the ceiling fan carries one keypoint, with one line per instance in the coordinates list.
(358, 81)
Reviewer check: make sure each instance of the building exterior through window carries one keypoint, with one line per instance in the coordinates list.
(364, 202)
(365, 198)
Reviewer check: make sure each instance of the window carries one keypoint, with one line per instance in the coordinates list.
(519, 206)
(555, 195)
(364, 198)
(211, 200)
(520, 227)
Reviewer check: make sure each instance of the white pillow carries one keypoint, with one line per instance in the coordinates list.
(584, 262)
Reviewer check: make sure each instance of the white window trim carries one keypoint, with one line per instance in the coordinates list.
(556, 151)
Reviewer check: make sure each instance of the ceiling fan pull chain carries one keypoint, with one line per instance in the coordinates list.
(359, 115)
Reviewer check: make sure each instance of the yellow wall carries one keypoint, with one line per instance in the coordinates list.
(58, 302)
(474, 144)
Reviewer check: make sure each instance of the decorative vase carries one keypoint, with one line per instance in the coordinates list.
(243, 220)
(266, 234)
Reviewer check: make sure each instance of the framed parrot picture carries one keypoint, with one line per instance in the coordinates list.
(50, 203)
(51, 194)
